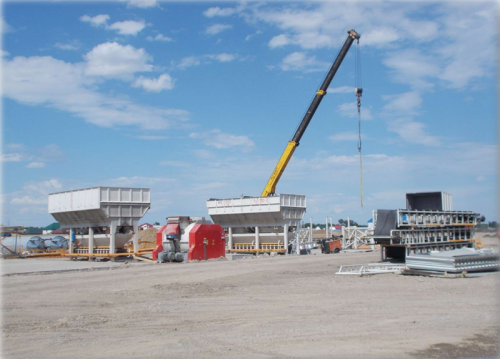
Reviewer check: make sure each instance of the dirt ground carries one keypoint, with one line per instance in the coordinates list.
(272, 307)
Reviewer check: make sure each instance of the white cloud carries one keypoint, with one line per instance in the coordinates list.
(22, 153)
(142, 3)
(204, 154)
(341, 89)
(4, 53)
(221, 140)
(405, 103)
(469, 51)
(140, 181)
(98, 20)
(399, 112)
(346, 136)
(248, 37)
(412, 67)
(15, 146)
(189, 62)
(113, 60)
(223, 57)
(36, 193)
(224, 12)
(128, 27)
(50, 153)
(175, 164)
(66, 87)
(70, 46)
(205, 59)
(299, 61)
(35, 165)
(28, 200)
(217, 28)
(381, 36)
(463, 35)
(210, 185)
(280, 41)
(164, 82)
(159, 37)
(350, 109)
(152, 137)
(413, 132)
(12, 157)
(4, 27)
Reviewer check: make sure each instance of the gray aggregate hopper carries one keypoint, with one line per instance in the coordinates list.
(101, 219)
(258, 224)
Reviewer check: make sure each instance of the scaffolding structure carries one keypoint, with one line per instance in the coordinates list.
(353, 237)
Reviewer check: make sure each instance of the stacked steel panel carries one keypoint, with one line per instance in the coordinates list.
(455, 261)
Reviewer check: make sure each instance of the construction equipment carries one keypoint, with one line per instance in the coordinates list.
(105, 217)
(270, 188)
(186, 239)
(427, 224)
(257, 224)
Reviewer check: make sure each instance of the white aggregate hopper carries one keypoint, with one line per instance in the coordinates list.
(115, 208)
(258, 211)
(99, 206)
(258, 224)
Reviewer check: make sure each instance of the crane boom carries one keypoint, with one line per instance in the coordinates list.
(292, 145)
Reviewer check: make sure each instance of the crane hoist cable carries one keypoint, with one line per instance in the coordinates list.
(359, 92)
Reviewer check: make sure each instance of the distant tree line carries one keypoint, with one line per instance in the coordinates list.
(493, 224)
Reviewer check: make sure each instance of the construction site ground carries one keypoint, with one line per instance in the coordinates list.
(265, 307)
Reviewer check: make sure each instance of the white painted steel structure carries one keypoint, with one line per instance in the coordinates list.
(375, 268)
(352, 237)
(95, 207)
(258, 224)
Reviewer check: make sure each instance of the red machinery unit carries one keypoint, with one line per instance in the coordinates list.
(206, 241)
(184, 238)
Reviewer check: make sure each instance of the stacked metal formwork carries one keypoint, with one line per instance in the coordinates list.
(423, 231)
(456, 261)
(414, 230)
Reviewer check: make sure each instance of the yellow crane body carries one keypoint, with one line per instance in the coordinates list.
(270, 188)
(278, 170)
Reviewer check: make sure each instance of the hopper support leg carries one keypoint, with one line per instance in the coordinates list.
(257, 240)
(285, 233)
(91, 243)
(136, 236)
(71, 242)
(112, 246)
(230, 238)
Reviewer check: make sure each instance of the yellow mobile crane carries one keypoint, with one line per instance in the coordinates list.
(292, 145)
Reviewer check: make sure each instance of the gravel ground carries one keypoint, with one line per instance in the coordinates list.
(269, 307)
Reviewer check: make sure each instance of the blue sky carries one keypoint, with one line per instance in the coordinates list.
(198, 100)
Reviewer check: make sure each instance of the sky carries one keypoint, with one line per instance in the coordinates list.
(197, 100)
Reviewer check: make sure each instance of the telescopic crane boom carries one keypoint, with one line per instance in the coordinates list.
(292, 145)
